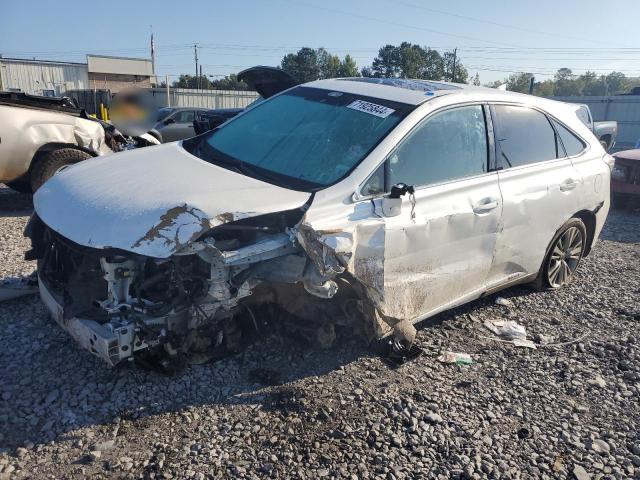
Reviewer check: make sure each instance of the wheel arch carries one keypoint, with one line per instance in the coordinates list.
(50, 147)
(589, 220)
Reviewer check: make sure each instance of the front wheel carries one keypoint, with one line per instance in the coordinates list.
(563, 256)
(53, 162)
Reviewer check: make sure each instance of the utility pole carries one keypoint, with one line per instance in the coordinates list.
(453, 69)
(201, 79)
(195, 51)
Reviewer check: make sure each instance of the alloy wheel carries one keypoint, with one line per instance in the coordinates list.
(565, 257)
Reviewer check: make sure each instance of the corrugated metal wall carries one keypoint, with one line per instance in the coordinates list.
(183, 97)
(624, 109)
(34, 76)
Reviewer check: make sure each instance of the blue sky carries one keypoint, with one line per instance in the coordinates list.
(493, 38)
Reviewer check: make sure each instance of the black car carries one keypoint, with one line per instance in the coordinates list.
(267, 81)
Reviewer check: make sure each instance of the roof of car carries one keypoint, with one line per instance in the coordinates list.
(413, 92)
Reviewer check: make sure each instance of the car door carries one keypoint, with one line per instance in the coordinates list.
(179, 127)
(439, 249)
(538, 185)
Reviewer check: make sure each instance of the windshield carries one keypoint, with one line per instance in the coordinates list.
(305, 138)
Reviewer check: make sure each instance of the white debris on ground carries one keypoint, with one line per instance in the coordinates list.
(282, 410)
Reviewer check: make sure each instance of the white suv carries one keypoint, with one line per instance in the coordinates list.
(396, 198)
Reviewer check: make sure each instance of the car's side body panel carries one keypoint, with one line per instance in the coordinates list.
(23, 131)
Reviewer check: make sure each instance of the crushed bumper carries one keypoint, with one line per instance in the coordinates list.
(111, 345)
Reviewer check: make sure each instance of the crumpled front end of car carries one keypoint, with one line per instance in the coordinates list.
(118, 304)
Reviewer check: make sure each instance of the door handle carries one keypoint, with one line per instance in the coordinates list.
(485, 205)
(568, 184)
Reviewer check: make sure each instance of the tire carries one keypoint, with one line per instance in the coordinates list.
(563, 256)
(51, 162)
(20, 184)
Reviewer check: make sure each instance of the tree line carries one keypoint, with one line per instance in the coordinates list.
(409, 60)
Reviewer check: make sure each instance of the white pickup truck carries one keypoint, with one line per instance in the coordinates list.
(41, 135)
(605, 132)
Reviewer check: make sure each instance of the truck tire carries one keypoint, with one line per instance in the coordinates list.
(51, 162)
(20, 184)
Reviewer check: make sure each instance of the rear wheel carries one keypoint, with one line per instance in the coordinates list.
(52, 162)
(563, 256)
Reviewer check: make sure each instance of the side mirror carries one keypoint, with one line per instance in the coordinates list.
(392, 205)
(169, 121)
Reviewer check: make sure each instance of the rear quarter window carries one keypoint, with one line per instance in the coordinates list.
(569, 140)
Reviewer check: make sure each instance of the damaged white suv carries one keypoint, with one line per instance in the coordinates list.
(398, 198)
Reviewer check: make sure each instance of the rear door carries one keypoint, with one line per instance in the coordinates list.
(539, 187)
(439, 250)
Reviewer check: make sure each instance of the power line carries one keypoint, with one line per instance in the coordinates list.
(497, 24)
(398, 24)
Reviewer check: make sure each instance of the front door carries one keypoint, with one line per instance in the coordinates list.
(438, 251)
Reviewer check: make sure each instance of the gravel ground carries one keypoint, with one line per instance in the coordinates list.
(280, 410)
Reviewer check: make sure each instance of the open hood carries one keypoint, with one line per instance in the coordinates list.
(153, 201)
(267, 81)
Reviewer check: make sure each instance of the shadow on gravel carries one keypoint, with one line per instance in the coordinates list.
(14, 204)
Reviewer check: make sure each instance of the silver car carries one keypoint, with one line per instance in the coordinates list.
(384, 201)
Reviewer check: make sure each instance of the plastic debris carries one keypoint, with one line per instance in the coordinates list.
(511, 332)
(507, 329)
(503, 301)
(455, 357)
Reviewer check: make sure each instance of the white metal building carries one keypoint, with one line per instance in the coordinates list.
(53, 78)
(42, 77)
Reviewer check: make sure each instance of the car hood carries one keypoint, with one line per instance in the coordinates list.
(153, 201)
(267, 81)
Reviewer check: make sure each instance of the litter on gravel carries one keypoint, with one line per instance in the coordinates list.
(455, 357)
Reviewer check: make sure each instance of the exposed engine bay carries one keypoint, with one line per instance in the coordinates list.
(119, 304)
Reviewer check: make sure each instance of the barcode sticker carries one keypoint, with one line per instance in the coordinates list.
(371, 108)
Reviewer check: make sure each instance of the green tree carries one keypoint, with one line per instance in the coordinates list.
(348, 67)
(566, 83)
(616, 83)
(476, 80)
(407, 61)
(229, 82)
(461, 74)
(311, 64)
(304, 65)
(544, 89)
(519, 82)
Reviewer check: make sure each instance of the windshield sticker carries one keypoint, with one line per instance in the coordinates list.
(371, 108)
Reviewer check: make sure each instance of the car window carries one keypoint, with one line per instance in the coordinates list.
(448, 145)
(375, 184)
(185, 116)
(572, 144)
(163, 113)
(524, 136)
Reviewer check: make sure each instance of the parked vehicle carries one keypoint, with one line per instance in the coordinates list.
(267, 81)
(395, 199)
(625, 178)
(41, 135)
(176, 123)
(605, 132)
